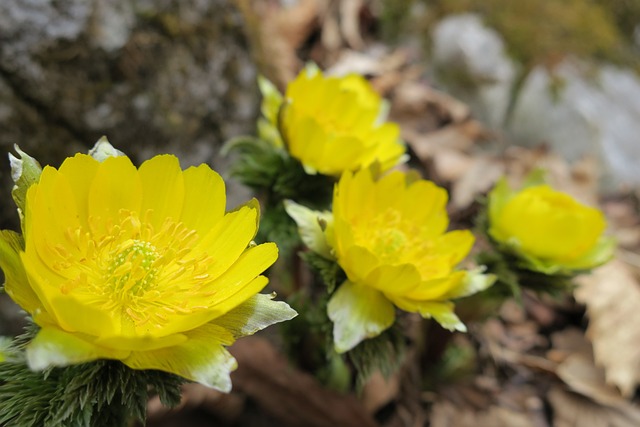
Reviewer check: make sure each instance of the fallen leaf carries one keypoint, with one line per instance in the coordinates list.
(612, 297)
(276, 33)
(477, 179)
(581, 375)
(571, 410)
(446, 414)
(350, 22)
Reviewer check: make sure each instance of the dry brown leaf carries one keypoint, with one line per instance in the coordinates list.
(350, 22)
(579, 372)
(512, 345)
(569, 341)
(414, 99)
(624, 222)
(612, 297)
(477, 179)
(571, 410)
(446, 414)
(277, 32)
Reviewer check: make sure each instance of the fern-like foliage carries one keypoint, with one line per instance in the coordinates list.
(327, 270)
(272, 170)
(104, 393)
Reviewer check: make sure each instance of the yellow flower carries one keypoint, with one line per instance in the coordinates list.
(548, 230)
(389, 236)
(139, 265)
(336, 124)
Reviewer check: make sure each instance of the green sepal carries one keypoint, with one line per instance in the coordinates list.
(328, 270)
(358, 312)
(102, 150)
(25, 171)
(311, 227)
(5, 345)
(270, 108)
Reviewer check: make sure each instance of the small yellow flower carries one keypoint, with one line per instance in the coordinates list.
(336, 124)
(548, 230)
(389, 236)
(139, 265)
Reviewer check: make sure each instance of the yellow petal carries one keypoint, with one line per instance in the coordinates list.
(454, 246)
(390, 189)
(16, 283)
(75, 315)
(441, 311)
(54, 347)
(358, 262)
(162, 189)
(116, 186)
(202, 358)
(548, 224)
(204, 199)
(229, 238)
(394, 279)
(358, 312)
(435, 289)
(141, 342)
(52, 208)
(232, 287)
(44, 282)
(80, 171)
(425, 203)
(354, 194)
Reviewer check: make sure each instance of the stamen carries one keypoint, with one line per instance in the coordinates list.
(143, 273)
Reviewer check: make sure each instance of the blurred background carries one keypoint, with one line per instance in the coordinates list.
(480, 88)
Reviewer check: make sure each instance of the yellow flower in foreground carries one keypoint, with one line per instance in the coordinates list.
(389, 237)
(139, 265)
(548, 230)
(336, 124)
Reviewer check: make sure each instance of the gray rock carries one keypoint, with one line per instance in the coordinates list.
(580, 110)
(153, 76)
(474, 66)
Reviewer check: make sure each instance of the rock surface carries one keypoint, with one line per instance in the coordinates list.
(153, 76)
(590, 112)
(576, 109)
(474, 66)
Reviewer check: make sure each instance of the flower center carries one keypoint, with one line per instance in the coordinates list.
(135, 270)
(386, 235)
